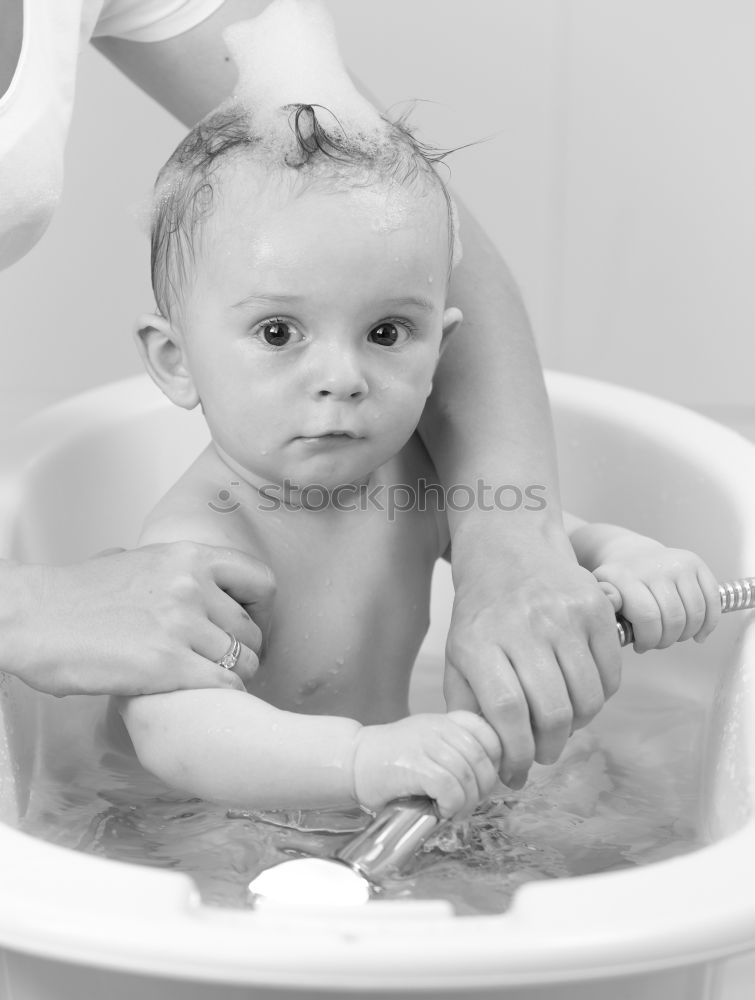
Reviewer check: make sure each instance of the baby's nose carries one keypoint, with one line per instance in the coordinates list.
(341, 377)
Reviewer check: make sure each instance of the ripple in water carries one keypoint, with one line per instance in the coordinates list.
(624, 793)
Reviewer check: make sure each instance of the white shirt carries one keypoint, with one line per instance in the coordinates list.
(35, 111)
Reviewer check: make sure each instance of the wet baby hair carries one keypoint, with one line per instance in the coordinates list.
(314, 150)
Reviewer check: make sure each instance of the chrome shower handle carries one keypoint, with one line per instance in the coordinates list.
(391, 839)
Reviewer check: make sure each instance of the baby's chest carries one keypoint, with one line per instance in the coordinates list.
(350, 612)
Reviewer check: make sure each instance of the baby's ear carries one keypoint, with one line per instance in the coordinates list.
(452, 319)
(164, 357)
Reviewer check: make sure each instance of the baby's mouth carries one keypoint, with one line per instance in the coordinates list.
(330, 435)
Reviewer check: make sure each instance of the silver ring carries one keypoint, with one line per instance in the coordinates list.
(231, 658)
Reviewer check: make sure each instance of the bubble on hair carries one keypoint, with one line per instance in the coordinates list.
(140, 212)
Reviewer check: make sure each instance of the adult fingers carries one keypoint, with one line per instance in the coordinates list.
(227, 615)
(249, 581)
(587, 691)
(503, 703)
(457, 692)
(606, 654)
(196, 672)
(213, 643)
(188, 672)
(550, 706)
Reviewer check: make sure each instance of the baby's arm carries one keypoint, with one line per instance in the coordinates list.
(241, 751)
(667, 594)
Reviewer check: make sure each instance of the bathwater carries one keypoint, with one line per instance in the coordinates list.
(624, 793)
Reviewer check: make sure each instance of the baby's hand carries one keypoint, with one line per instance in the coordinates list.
(452, 758)
(667, 594)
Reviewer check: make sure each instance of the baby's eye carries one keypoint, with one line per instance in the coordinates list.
(277, 332)
(389, 334)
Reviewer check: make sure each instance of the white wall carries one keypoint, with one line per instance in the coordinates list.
(618, 184)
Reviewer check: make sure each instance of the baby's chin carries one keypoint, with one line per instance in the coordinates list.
(329, 480)
(326, 477)
(323, 468)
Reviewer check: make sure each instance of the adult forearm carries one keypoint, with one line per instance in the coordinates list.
(230, 747)
(488, 419)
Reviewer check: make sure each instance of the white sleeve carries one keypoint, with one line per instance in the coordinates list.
(151, 20)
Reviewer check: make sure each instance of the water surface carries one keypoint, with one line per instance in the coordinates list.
(624, 793)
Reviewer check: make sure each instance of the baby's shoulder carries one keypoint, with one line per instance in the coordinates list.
(197, 508)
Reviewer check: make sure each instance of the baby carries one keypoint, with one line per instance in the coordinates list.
(301, 283)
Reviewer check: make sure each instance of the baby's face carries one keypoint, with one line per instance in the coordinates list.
(313, 326)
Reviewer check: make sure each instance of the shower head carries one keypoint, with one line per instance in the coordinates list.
(349, 876)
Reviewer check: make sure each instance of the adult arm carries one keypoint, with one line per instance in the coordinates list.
(190, 74)
(532, 641)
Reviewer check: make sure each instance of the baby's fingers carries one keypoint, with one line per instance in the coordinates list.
(640, 607)
(481, 733)
(709, 587)
(673, 613)
(449, 780)
(693, 599)
(612, 594)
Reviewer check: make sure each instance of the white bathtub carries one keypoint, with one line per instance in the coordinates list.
(80, 477)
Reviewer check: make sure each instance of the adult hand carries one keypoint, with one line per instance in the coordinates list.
(134, 622)
(532, 645)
